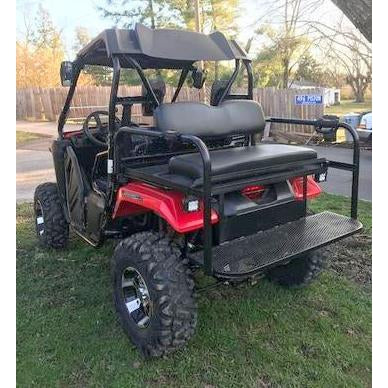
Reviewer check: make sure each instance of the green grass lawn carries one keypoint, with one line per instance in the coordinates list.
(348, 106)
(247, 336)
(23, 137)
(341, 205)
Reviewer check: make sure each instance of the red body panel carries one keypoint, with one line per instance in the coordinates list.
(69, 134)
(135, 198)
(313, 189)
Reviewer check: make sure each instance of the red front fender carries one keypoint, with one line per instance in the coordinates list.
(135, 198)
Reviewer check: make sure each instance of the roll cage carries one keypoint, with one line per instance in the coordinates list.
(108, 49)
(105, 51)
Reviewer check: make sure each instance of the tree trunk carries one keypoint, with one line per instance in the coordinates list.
(358, 90)
(151, 6)
(216, 71)
(359, 97)
(286, 72)
(359, 12)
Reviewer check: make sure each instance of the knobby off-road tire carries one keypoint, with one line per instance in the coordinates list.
(52, 229)
(300, 272)
(170, 287)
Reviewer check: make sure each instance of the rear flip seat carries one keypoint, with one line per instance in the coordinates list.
(239, 159)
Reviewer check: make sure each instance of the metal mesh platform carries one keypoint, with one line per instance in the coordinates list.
(251, 254)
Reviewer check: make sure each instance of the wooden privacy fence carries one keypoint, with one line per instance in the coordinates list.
(46, 103)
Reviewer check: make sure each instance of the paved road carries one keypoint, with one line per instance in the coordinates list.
(32, 168)
(34, 165)
(339, 181)
(33, 161)
(44, 128)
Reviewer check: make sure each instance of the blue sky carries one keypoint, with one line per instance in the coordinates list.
(68, 14)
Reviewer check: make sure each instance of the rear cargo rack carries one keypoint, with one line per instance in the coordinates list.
(246, 256)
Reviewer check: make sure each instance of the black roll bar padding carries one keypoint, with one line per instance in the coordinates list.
(144, 79)
(333, 123)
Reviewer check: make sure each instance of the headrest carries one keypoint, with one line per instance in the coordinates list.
(194, 118)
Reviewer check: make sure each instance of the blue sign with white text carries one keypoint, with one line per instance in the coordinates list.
(308, 99)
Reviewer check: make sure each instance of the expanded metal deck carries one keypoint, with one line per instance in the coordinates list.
(248, 255)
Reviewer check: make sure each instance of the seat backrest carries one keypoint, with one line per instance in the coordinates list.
(194, 118)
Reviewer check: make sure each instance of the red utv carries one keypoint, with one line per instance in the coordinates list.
(197, 189)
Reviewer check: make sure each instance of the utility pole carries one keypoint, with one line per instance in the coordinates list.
(202, 92)
(197, 16)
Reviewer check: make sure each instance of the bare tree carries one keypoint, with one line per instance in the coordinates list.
(350, 51)
(291, 37)
(356, 59)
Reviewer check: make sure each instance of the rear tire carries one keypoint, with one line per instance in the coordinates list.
(167, 318)
(52, 229)
(300, 272)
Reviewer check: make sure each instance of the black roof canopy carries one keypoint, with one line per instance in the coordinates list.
(160, 48)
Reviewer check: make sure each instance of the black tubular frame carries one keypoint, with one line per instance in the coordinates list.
(66, 106)
(207, 225)
(230, 82)
(144, 79)
(327, 126)
(114, 100)
(182, 79)
(205, 192)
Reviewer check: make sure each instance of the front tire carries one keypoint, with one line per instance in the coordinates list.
(300, 272)
(153, 293)
(52, 229)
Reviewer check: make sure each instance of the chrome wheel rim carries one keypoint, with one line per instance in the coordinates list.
(39, 219)
(136, 297)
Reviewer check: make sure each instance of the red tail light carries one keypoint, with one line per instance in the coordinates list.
(253, 192)
(313, 189)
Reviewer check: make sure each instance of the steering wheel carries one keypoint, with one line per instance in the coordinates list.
(99, 134)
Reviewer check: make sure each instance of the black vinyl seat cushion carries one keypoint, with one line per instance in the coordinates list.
(240, 159)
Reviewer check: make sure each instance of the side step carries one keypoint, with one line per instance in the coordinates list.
(249, 255)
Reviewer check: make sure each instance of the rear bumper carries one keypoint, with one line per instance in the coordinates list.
(246, 256)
